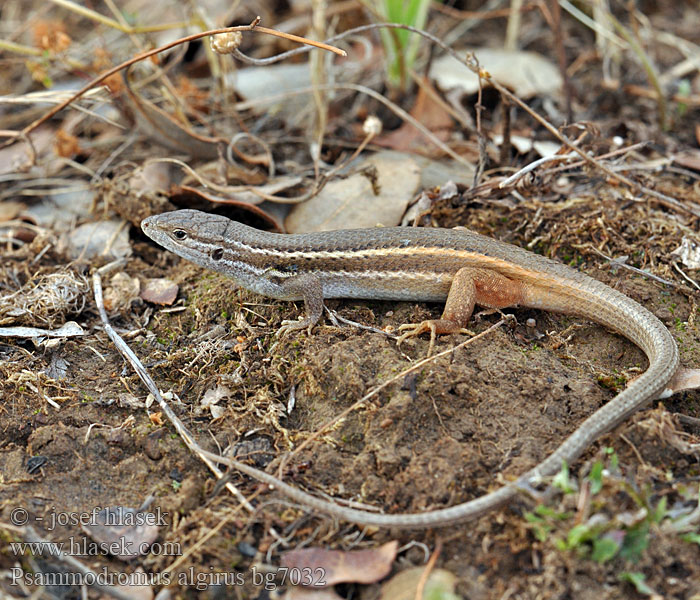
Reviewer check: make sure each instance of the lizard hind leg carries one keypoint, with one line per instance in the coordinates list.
(458, 308)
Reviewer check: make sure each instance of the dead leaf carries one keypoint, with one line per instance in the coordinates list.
(258, 83)
(403, 586)
(121, 292)
(527, 74)
(152, 177)
(69, 329)
(295, 592)
(255, 83)
(109, 239)
(19, 157)
(430, 113)
(377, 193)
(156, 418)
(435, 173)
(10, 209)
(689, 253)
(210, 400)
(65, 144)
(329, 567)
(685, 379)
(167, 130)
(690, 159)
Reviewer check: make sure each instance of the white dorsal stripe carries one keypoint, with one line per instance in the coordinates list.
(362, 253)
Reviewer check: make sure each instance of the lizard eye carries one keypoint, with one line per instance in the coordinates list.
(218, 254)
(180, 234)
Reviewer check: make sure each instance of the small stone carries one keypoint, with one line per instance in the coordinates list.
(159, 291)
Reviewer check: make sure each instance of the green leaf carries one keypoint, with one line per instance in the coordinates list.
(693, 538)
(635, 542)
(545, 511)
(401, 46)
(561, 480)
(578, 535)
(604, 549)
(660, 511)
(540, 528)
(596, 477)
(531, 517)
(614, 462)
(637, 580)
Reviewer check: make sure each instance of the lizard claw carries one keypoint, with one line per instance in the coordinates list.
(288, 326)
(434, 326)
(414, 329)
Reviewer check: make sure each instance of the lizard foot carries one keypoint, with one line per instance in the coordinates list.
(288, 326)
(434, 326)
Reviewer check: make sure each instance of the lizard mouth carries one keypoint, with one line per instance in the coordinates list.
(147, 222)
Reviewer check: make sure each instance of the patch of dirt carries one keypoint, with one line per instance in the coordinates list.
(459, 427)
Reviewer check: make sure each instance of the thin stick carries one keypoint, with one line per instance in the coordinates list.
(428, 569)
(561, 58)
(532, 166)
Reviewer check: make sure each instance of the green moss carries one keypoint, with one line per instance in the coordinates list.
(612, 382)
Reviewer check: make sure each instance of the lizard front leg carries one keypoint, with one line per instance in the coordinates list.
(308, 287)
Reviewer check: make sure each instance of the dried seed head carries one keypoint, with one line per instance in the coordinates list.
(226, 43)
(372, 126)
